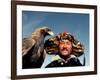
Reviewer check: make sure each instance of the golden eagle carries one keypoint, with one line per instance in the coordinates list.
(33, 48)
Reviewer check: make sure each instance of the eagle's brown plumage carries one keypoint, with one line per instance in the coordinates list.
(33, 47)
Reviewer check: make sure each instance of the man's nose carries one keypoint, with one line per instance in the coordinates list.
(65, 46)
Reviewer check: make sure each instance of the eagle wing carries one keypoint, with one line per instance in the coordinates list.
(27, 44)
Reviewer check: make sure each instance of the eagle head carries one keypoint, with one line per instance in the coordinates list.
(46, 31)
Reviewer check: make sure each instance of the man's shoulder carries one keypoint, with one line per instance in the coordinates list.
(53, 64)
(74, 62)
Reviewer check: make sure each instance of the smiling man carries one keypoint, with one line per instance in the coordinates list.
(68, 51)
(65, 49)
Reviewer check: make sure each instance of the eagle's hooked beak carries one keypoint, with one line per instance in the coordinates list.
(51, 33)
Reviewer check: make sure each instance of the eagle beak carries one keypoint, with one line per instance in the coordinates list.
(51, 33)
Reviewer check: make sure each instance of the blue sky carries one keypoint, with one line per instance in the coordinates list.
(75, 23)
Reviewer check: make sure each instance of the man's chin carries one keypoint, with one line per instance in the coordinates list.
(65, 53)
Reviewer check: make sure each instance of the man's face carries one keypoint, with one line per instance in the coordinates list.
(65, 48)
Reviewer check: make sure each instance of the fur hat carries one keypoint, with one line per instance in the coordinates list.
(51, 45)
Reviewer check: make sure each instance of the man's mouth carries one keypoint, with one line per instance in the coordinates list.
(64, 49)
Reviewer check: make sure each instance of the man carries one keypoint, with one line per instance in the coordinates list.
(68, 50)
